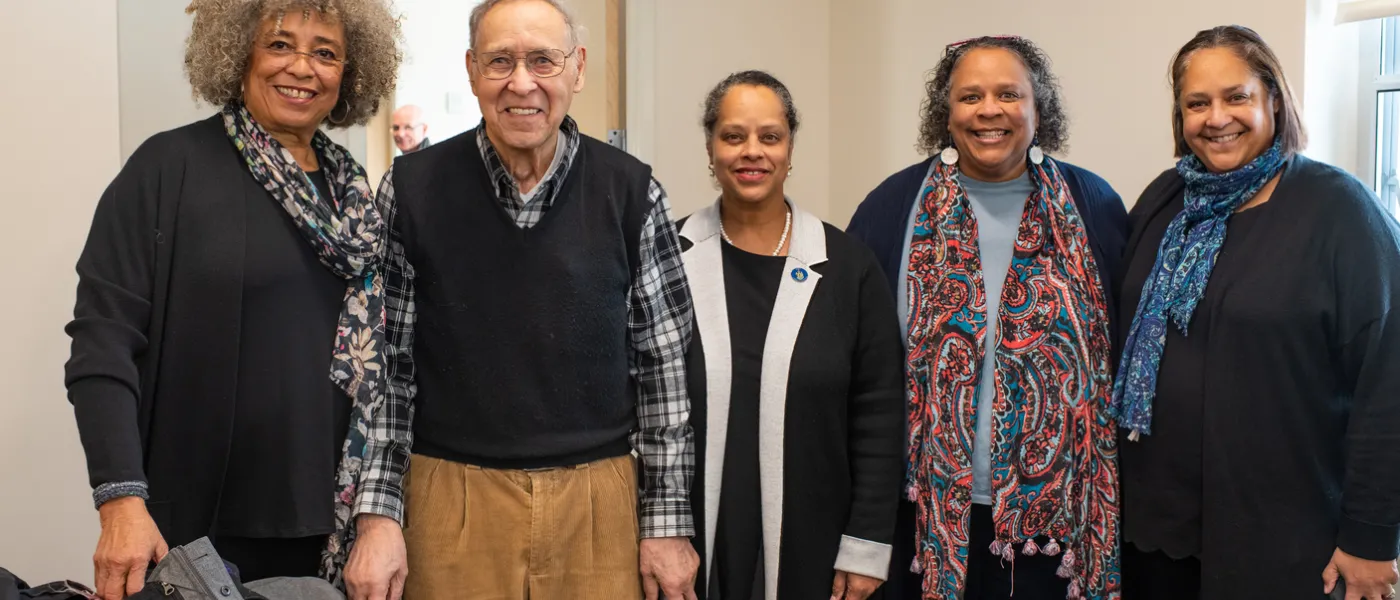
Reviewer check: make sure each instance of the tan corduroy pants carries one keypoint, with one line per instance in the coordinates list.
(567, 533)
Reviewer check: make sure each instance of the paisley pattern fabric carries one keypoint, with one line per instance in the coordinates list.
(1185, 261)
(347, 233)
(1054, 454)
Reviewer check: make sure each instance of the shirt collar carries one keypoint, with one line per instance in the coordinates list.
(504, 182)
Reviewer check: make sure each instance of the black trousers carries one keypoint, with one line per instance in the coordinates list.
(988, 576)
(1156, 576)
(261, 558)
(991, 578)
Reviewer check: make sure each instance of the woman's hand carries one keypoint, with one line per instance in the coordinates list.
(130, 542)
(849, 586)
(1365, 579)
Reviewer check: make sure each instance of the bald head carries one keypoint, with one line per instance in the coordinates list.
(408, 127)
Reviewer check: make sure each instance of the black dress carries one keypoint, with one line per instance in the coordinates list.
(751, 288)
(291, 419)
(1276, 417)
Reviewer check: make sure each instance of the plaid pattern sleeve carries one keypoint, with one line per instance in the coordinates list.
(659, 321)
(390, 428)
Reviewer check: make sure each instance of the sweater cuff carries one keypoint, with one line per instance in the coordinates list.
(108, 492)
(863, 557)
(1368, 541)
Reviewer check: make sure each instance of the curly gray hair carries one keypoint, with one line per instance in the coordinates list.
(220, 42)
(1053, 127)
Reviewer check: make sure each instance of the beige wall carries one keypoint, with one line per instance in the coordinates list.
(857, 67)
(59, 112)
(699, 43)
(1111, 57)
(590, 107)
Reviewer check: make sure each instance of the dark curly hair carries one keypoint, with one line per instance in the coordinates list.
(756, 78)
(1053, 127)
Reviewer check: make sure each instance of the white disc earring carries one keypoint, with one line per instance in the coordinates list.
(1036, 155)
(949, 156)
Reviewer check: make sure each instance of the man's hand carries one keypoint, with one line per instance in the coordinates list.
(668, 568)
(849, 586)
(130, 541)
(378, 562)
(1365, 579)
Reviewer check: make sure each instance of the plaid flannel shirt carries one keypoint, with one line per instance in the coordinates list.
(659, 326)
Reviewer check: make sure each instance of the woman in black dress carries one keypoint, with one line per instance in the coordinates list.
(229, 320)
(795, 374)
(1257, 387)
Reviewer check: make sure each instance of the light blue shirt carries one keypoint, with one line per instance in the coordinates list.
(998, 208)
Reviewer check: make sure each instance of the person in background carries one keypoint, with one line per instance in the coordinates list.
(794, 371)
(1001, 258)
(1257, 388)
(409, 129)
(538, 322)
(223, 362)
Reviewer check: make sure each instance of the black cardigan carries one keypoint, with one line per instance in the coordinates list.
(843, 427)
(881, 220)
(156, 326)
(1301, 410)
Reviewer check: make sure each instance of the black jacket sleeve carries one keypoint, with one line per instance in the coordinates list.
(1367, 288)
(111, 316)
(876, 409)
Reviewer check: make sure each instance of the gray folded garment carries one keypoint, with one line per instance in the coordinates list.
(197, 571)
(295, 588)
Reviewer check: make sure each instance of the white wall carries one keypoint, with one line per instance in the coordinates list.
(434, 71)
(1331, 103)
(154, 93)
(59, 113)
(857, 70)
(700, 43)
(1111, 57)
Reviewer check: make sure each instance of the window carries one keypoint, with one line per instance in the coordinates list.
(1380, 105)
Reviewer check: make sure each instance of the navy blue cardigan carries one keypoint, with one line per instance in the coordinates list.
(881, 221)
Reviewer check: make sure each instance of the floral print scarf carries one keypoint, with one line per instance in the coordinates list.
(347, 233)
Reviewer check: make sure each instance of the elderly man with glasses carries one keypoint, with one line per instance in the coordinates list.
(538, 315)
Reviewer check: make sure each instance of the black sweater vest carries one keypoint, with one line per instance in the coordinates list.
(522, 343)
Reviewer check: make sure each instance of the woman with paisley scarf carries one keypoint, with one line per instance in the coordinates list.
(1001, 258)
(230, 314)
(1258, 383)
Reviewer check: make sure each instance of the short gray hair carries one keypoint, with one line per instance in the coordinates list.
(570, 19)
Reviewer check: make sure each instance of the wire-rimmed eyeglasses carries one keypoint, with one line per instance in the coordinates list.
(545, 62)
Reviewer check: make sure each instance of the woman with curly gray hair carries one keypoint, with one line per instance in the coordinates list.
(1001, 258)
(223, 360)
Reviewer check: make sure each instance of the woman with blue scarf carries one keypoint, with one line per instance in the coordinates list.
(1259, 382)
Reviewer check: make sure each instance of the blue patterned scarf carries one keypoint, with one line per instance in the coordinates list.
(1179, 277)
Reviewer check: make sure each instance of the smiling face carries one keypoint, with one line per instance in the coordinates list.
(1227, 111)
(290, 92)
(751, 147)
(992, 116)
(523, 112)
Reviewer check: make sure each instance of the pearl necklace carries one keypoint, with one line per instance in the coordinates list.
(787, 226)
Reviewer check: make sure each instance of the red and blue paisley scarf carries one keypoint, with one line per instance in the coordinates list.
(1054, 454)
(347, 233)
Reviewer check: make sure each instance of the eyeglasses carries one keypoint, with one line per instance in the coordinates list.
(546, 62)
(960, 43)
(322, 59)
